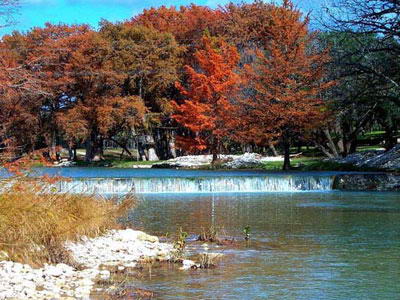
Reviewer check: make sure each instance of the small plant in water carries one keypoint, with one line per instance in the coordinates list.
(180, 243)
(207, 260)
(209, 235)
(246, 232)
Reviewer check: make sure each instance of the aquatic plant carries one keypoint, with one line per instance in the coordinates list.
(209, 234)
(208, 260)
(180, 243)
(246, 232)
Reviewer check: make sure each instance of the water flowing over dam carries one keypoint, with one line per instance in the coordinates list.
(233, 184)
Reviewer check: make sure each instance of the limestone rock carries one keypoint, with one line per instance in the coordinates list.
(379, 159)
(367, 182)
(247, 160)
(123, 248)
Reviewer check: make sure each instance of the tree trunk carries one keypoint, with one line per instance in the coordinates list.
(53, 145)
(353, 146)
(215, 150)
(70, 153)
(141, 149)
(162, 140)
(390, 140)
(331, 144)
(273, 149)
(75, 156)
(324, 150)
(286, 147)
(94, 149)
(171, 146)
(151, 150)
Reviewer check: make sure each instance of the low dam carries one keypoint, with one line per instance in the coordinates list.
(198, 184)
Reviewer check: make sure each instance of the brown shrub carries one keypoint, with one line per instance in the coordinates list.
(35, 221)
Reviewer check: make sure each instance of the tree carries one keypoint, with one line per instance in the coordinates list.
(373, 16)
(377, 19)
(187, 24)
(365, 47)
(205, 112)
(34, 79)
(149, 61)
(98, 119)
(360, 99)
(246, 25)
(96, 89)
(282, 97)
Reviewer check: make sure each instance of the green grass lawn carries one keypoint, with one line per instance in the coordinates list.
(115, 163)
(313, 164)
(113, 159)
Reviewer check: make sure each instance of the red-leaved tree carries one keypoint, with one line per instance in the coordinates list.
(205, 112)
(282, 95)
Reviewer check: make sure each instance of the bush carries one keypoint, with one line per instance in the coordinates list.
(35, 222)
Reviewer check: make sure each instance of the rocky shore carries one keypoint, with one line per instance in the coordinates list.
(367, 182)
(378, 159)
(118, 249)
(247, 160)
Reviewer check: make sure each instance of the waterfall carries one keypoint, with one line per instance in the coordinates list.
(238, 184)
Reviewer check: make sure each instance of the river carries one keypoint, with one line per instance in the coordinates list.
(307, 241)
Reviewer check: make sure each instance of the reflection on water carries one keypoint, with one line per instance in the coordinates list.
(304, 245)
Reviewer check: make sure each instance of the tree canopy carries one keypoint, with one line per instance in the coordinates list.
(249, 74)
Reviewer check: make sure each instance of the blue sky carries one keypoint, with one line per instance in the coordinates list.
(37, 12)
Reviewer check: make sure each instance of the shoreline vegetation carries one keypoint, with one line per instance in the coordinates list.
(36, 222)
(55, 245)
(304, 158)
(300, 162)
(64, 245)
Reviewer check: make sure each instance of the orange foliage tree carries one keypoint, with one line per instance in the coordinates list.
(282, 97)
(37, 82)
(246, 25)
(100, 109)
(205, 110)
(187, 23)
(150, 61)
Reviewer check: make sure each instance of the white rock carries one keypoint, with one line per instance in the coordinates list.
(54, 271)
(121, 268)
(105, 274)
(231, 161)
(122, 248)
(187, 264)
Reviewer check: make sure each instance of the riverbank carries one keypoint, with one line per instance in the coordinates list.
(364, 161)
(119, 249)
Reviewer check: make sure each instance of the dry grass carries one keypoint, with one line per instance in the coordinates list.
(208, 260)
(35, 223)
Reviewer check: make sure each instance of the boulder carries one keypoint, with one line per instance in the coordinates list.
(187, 264)
(247, 160)
(367, 182)
(147, 238)
(380, 159)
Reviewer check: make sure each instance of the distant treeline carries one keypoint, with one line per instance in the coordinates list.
(200, 80)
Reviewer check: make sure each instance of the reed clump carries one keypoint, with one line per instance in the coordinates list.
(36, 221)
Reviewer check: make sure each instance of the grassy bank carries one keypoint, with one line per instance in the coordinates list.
(116, 163)
(309, 164)
(112, 159)
(316, 164)
(35, 224)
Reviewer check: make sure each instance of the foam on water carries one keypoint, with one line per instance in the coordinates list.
(289, 183)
